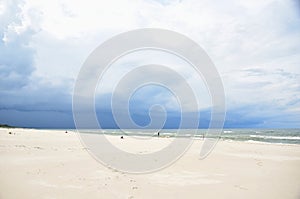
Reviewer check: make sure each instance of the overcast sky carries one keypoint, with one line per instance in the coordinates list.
(254, 44)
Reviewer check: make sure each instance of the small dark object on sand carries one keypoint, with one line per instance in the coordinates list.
(66, 132)
(9, 133)
(122, 137)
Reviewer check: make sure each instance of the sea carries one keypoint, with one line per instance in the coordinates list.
(279, 136)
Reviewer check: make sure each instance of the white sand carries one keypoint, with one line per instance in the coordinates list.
(52, 164)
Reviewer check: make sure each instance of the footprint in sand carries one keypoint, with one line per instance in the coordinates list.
(21, 145)
(37, 147)
(240, 187)
(258, 162)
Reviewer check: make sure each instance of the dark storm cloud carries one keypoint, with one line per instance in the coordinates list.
(16, 57)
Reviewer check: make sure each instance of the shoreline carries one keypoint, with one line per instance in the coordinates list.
(195, 137)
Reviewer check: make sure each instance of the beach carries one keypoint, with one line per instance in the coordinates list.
(54, 164)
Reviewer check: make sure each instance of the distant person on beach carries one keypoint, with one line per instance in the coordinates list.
(158, 133)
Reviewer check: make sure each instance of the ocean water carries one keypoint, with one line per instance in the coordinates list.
(283, 136)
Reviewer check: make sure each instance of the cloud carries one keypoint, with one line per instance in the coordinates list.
(254, 44)
(21, 89)
(125, 65)
(17, 57)
(262, 86)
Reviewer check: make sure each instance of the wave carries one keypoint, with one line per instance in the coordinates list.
(276, 137)
(286, 136)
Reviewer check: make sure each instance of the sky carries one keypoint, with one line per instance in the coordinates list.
(254, 44)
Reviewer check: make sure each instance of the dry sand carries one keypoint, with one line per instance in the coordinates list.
(53, 164)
